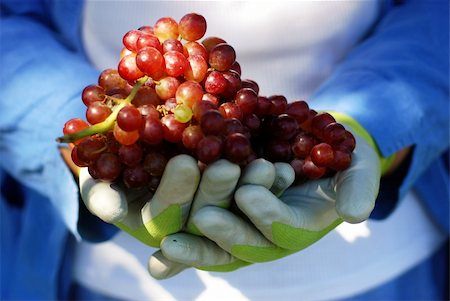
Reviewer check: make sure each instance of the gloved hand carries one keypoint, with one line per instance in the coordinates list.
(146, 216)
(269, 225)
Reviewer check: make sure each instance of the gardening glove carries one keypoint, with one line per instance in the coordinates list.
(218, 184)
(270, 226)
(146, 216)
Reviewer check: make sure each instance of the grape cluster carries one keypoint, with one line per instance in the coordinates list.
(173, 94)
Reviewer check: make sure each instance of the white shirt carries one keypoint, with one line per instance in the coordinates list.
(289, 48)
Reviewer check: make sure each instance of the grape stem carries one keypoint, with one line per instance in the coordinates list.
(108, 123)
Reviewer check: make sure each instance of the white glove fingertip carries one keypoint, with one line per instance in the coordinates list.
(359, 184)
(101, 199)
(160, 267)
(285, 176)
(354, 212)
(179, 181)
(259, 172)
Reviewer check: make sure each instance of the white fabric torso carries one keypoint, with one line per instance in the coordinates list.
(289, 48)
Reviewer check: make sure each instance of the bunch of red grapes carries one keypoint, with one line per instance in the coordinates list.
(173, 94)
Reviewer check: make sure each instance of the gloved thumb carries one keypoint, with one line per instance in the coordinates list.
(357, 186)
(103, 199)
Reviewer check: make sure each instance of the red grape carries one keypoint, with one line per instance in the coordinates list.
(236, 147)
(192, 27)
(155, 163)
(302, 145)
(191, 136)
(311, 170)
(74, 125)
(231, 110)
(166, 28)
(176, 63)
(129, 119)
(150, 61)
(130, 39)
(189, 93)
(319, 122)
(210, 42)
(215, 83)
(196, 69)
(298, 110)
(322, 154)
(128, 69)
(222, 56)
(212, 123)
(130, 155)
(90, 149)
(247, 100)
(172, 45)
(92, 93)
(278, 150)
(148, 40)
(284, 127)
(124, 137)
(107, 167)
(167, 87)
(279, 104)
(249, 83)
(97, 112)
(209, 149)
(135, 177)
(172, 129)
(152, 130)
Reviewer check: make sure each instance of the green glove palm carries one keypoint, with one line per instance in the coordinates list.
(146, 216)
(267, 227)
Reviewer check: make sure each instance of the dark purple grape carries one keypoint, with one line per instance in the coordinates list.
(130, 155)
(278, 151)
(209, 149)
(237, 148)
(247, 100)
(155, 163)
(222, 56)
(212, 123)
(302, 145)
(108, 167)
(284, 127)
(135, 177)
(313, 171)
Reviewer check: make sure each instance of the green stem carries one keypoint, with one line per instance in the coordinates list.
(108, 123)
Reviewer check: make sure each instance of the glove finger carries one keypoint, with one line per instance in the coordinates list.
(102, 199)
(167, 211)
(284, 177)
(160, 267)
(359, 184)
(216, 188)
(236, 236)
(199, 252)
(292, 223)
(259, 172)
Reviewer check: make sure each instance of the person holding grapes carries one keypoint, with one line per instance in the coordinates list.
(247, 233)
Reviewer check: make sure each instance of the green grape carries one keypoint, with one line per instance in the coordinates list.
(182, 113)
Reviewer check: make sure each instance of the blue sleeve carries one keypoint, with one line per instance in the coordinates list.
(396, 85)
(42, 78)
